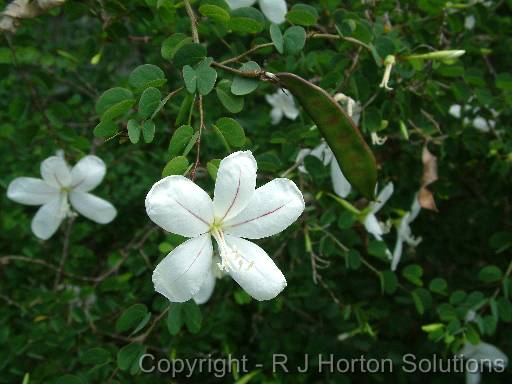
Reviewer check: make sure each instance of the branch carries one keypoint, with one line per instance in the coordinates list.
(65, 251)
(193, 21)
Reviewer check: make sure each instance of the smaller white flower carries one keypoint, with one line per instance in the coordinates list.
(404, 233)
(371, 223)
(60, 186)
(389, 62)
(282, 104)
(238, 212)
(469, 22)
(483, 125)
(486, 355)
(378, 140)
(274, 10)
(455, 110)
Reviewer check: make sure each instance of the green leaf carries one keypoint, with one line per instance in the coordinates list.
(388, 282)
(206, 77)
(134, 130)
(232, 103)
(149, 102)
(302, 14)
(175, 166)
(231, 131)
(192, 316)
(69, 379)
(490, 274)
(413, 273)
(438, 285)
(128, 356)
(355, 158)
(148, 131)
(189, 54)
(131, 317)
(190, 78)
(504, 81)
(243, 85)
(422, 299)
(114, 102)
(146, 75)
(105, 128)
(246, 20)
(95, 356)
(294, 39)
(213, 167)
(175, 318)
(214, 12)
(172, 44)
(180, 139)
(277, 38)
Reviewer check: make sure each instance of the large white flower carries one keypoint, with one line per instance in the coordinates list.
(282, 105)
(404, 233)
(371, 223)
(238, 211)
(482, 354)
(274, 10)
(61, 184)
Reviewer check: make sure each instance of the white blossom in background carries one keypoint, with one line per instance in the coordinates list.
(59, 187)
(274, 10)
(282, 104)
(479, 123)
(469, 22)
(404, 233)
(378, 140)
(455, 110)
(487, 355)
(389, 62)
(238, 212)
(371, 223)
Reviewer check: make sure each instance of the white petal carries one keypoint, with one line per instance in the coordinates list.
(258, 275)
(415, 208)
(372, 226)
(469, 22)
(272, 208)
(473, 377)
(30, 191)
(179, 206)
(276, 115)
(55, 171)
(206, 290)
(481, 124)
(339, 181)
(88, 173)
(383, 197)
(180, 275)
(236, 182)
(234, 4)
(455, 110)
(289, 108)
(48, 218)
(300, 159)
(397, 252)
(274, 10)
(92, 207)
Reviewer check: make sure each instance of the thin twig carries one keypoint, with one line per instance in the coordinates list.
(193, 21)
(246, 53)
(198, 141)
(65, 251)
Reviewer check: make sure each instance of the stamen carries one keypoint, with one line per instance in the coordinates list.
(229, 255)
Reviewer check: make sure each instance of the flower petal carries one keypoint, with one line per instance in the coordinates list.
(30, 191)
(88, 173)
(383, 197)
(276, 115)
(340, 183)
(206, 290)
(257, 273)
(48, 218)
(273, 207)
(415, 209)
(372, 226)
(274, 10)
(234, 4)
(180, 275)
(55, 171)
(236, 181)
(92, 207)
(397, 252)
(179, 206)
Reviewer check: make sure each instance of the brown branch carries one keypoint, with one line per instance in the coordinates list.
(246, 53)
(193, 21)
(65, 251)
(198, 141)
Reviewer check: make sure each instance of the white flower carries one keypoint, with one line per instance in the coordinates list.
(455, 110)
(372, 225)
(238, 211)
(378, 140)
(322, 152)
(61, 183)
(404, 233)
(483, 125)
(389, 62)
(469, 22)
(484, 354)
(352, 107)
(274, 10)
(282, 104)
